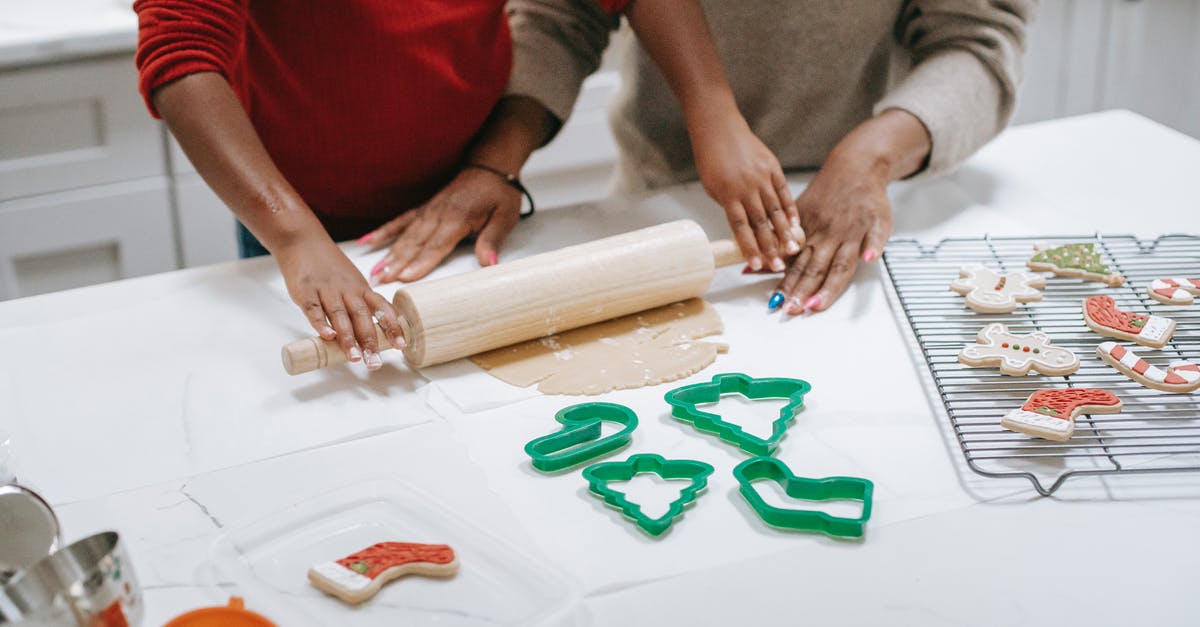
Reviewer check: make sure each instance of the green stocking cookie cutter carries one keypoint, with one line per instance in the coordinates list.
(683, 402)
(826, 489)
(579, 439)
(599, 475)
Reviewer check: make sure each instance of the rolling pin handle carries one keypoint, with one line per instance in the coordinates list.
(313, 353)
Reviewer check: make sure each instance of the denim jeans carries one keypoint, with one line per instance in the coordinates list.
(248, 245)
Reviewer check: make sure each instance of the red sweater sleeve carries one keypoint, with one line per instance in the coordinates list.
(181, 37)
(614, 6)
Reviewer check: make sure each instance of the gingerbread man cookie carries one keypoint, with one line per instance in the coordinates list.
(1017, 354)
(356, 578)
(1174, 291)
(1102, 316)
(1050, 414)
(1181, 377)
(989, 292)
(1074, 260)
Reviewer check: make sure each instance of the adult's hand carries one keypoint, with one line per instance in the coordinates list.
(475, 202)
(337, 300)
(845, 209)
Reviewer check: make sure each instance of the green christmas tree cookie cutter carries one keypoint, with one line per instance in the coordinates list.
(683, 402)
(579, 439)
(829, 488)
(600, 475)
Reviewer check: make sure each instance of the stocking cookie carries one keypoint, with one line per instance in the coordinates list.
(356, 578)
(1102, 316)
(1181, 377)
(1074, 260)
(1017, 354)
(1050, 414)
(989, 292)
(1174, 291)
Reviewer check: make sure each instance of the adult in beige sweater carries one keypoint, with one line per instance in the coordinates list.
(867, 91)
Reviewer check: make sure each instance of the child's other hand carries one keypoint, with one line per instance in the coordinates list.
(744, 177)
(336, 299)
(476, 201)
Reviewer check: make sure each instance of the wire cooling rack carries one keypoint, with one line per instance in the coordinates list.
(1155, 432)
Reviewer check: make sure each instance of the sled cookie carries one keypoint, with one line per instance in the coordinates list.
(1102, 316)
(1181, 377)
(1017, 354)
(1074, 260)
(356, 578)
(1174, 291)
(989, 292)
(1050, 414)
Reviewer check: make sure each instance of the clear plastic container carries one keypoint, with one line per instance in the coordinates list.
(496, 584)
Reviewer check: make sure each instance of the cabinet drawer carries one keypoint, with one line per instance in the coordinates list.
(81, 237)
(72, 125)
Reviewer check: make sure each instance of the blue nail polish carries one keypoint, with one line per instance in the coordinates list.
(776, 301)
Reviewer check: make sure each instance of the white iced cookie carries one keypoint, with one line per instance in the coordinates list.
(1102, 316)
(1051, 414)
(1181, 377)
(1174, 291)
(989, 292)
(1017, 354)
(356, 578)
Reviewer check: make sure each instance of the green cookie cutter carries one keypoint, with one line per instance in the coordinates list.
(581, 435)
(683, 402)
(599, 475)
(826, 489)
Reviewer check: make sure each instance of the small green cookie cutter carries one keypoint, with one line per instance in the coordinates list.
(826, 489)
(683, 402)
(581, 430)
(599, 475)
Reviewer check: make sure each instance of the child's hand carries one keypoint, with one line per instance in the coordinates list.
(744, 177)
(476, 201)
(336, 299)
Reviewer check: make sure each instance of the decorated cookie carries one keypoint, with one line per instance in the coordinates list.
(989, 292)
(1180, 377)
(1102, 316)
(1174, 291)
(1017, 354)
(356, 578)
(1074, 260)
(1050, 414)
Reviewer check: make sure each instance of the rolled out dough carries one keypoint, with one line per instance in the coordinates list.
(646, 348)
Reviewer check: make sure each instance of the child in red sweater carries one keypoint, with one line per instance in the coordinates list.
(320, 121)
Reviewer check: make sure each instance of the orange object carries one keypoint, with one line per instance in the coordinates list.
(233, 615)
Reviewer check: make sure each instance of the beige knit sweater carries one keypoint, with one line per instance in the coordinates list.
(804, 73)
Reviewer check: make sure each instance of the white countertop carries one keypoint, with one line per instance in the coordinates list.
(157, 407)
(44, 31)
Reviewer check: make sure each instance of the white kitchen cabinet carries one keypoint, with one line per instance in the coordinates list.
(207, 229)
(79, 237)
(72, 125)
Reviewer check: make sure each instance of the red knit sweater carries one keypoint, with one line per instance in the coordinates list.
(366, 106)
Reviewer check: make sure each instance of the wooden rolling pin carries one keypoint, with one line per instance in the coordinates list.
(466, 314)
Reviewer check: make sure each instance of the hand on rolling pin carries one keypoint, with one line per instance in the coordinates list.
(337, 300)
(476, 201)
(845, 209)
(744, 177)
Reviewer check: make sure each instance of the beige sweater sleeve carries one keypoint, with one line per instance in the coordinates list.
(966, 57)
(556, 45)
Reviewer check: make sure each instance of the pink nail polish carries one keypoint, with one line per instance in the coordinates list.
(813, 301)
(380, 266)
(869, 255)
(366, 239)
(355, 354)
(492, 258)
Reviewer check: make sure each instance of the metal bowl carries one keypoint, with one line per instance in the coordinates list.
(89, 583)
(31, 530)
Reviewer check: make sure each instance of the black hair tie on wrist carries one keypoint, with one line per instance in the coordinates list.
(511, 179)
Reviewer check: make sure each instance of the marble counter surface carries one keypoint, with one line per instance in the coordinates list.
(157, 407)
(44, 31)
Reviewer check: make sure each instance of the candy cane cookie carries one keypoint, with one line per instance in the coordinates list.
(1017, 354)
(1180, 377)
(988, 291)
(1074, 260)
(356, 578)
(1102, 316)
(1174, 291)
(1050, 414)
